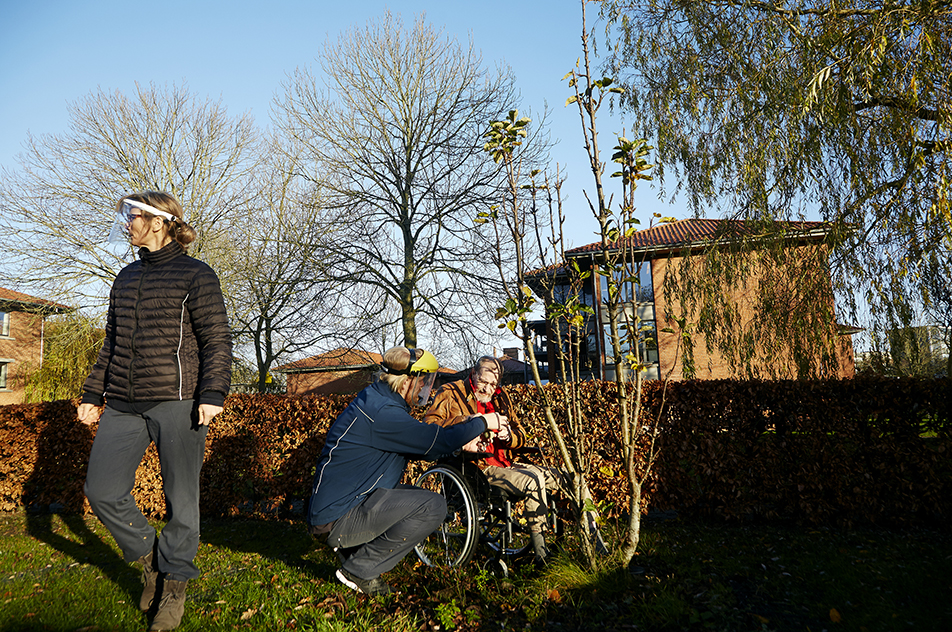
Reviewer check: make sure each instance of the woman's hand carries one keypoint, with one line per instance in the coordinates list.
(207, 412)
(476, 445)
(88, 413)
(494, 421)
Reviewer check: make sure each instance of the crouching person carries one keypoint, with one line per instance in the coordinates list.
(357, 503)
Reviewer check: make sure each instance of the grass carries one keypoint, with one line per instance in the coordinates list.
(62, 572)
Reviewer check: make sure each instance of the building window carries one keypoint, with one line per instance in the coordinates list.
(643, 292)
(3, 376)
(648, 341)
(562, 292)
(5, 324)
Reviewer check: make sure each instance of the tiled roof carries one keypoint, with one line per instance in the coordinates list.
(691, 231)
(336, 359)
(19, 297)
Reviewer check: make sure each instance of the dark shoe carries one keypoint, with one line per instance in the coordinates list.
(171, 606)
(375, 586)
(149, 578)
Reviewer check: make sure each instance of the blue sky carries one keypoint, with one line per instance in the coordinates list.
(54, 52)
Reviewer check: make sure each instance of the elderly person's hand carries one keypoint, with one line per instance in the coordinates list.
(478, 444)
(504, 433)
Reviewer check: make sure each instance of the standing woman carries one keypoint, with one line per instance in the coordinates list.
(163, 373)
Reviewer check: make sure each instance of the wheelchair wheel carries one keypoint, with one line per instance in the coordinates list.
(454, 542)
(506, 535)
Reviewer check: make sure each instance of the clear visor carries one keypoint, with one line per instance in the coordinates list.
(426, 387)
(128, 211)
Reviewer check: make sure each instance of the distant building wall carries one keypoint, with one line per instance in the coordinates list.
(328, 382)
(20, 349)
(712, 364)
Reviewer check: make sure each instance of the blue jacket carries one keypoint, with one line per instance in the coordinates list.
(367, 448)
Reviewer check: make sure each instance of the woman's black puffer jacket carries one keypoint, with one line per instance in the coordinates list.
(167, 335)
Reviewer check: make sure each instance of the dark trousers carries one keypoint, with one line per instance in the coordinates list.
(376, 534)
(121, 441)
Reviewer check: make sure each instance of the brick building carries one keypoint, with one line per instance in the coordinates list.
(664, 247)
(22, 320)
(337, 371)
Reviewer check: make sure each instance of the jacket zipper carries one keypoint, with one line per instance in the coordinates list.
(135, 333)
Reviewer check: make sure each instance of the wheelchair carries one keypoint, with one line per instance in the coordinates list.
(476, 513)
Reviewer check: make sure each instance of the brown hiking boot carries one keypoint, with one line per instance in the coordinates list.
(150, 576)
(171, 606)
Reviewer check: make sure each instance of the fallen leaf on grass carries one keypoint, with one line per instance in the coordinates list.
(554, 595)
(835, 615)
(247, 614)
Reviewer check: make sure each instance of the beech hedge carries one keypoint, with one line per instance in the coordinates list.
(871, 450)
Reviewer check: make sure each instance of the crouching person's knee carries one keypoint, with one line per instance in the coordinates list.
(434, 510)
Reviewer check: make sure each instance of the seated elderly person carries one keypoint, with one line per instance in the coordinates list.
(480, 394)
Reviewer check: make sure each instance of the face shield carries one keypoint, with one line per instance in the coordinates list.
(426, 386)
(127, 213)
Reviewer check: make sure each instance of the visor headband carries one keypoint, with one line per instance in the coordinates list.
(405, 371)
(142, 206)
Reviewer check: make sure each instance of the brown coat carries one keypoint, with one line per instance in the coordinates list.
(455, 401)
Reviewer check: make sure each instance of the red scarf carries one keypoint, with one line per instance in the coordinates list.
(497, 448)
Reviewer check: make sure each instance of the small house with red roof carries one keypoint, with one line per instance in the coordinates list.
(22, 321)
(655, 251)
(338, 371)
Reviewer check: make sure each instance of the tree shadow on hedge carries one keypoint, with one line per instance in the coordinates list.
(54, 494)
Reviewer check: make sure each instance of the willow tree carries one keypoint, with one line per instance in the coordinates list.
(775, 110)
(71, 343)
(391, 119)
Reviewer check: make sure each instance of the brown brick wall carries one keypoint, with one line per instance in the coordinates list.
(713, 364)
(22, 349)
(328, 382)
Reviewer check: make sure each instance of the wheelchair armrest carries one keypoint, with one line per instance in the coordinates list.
(473, 456)
(526, 450)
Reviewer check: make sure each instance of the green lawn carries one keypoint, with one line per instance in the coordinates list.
(64, 573)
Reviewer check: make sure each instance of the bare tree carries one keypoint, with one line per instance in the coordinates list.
(57, 207)
(618, 270)
(394, 133)
(275, 262)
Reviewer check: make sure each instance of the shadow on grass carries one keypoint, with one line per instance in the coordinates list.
(86, 547)
(54, 494)
(276, 540)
